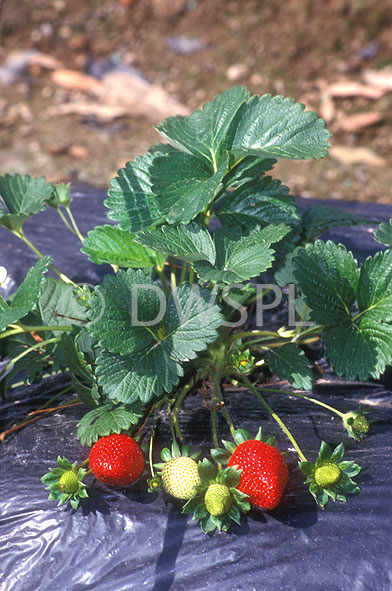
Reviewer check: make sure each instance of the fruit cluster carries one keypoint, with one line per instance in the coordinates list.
(256, 476)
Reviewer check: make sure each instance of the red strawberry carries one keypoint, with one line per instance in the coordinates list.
(116, 460)
(264, 473)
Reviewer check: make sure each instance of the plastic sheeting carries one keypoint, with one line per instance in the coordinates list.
(128, 539)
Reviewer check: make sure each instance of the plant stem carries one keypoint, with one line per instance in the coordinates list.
(216, 378)
(40, 255)
(27, 351)
(173, 280)
(172, 430)
(273, 414)
(65, 221)
(191, 275)
(55, 397)
(74, 224)
(253, 333)
(161, 276)
(82, 464)
(177, 405)
(314, 400)
(183, 272)
(23, 329)
(316, 328)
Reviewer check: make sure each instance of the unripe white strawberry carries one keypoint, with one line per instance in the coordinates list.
(180, 476)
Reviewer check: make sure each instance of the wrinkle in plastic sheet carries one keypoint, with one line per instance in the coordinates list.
(130, 540)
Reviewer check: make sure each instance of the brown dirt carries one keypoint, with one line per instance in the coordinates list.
(291, 47)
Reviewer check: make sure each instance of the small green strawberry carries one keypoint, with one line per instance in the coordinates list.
(218, 499)
(327, 475)
(330, 477)
(65, 483)
(217, 502)
(178, 472)
(69, 482)
(356, 423)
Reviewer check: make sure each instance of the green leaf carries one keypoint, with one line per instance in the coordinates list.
(325, 452)
(248, 169)
(107, 419)
(184, 185)
(123, 309)
(276, 127)
(131, 201)
(208, 133)
(207, 471)
(319, 218)
(290, 363)
(383, 233)
(190, 323)
(230, 477)
(188, 242)
(374, 294)
(26, 296)
(22, 196)
(241, 254)
(328, 276)
(127, 378)
(109, 244)
(264, 201)
(220, 456)
(359, 349)
(61, 298)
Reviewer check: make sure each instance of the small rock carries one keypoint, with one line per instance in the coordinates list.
(168, 9)
(237, 71)
(185, 45)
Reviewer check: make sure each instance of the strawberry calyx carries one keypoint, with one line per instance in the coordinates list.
(223, 455)
(330, 477)
(356, 423)
(217, 503)
(65, 483)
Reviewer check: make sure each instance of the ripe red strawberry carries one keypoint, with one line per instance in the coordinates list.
(264, 473)
(116, 460)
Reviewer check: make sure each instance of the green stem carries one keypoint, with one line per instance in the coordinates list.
(27, 351)
(183, 272)
(172, 430)
(283, 343)
(65, 221)
(217, 388)
(316, 328)
(314, 400)
(257, 296)
(74, 224)
(23, 329)
(40, 255)
(56, 396)
(276, 418)
(213, 411)
(163, 281)
(177, 405)
(253, 333)
(173, 279)
(82, 464)
(191, 275)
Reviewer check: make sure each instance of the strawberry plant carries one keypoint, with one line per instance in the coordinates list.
(200, 239)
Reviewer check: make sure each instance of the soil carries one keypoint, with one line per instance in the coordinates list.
(296, 48)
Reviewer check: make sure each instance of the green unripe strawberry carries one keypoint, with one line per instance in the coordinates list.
(327, 475)
(218, 499)
(180, 476)
(361, 424)
(69, 482)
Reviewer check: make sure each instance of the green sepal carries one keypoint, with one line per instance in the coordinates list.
(339, 490)
(229, 445)
(207, 471)
(52, 481)
(241, 435)
(220, 456)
